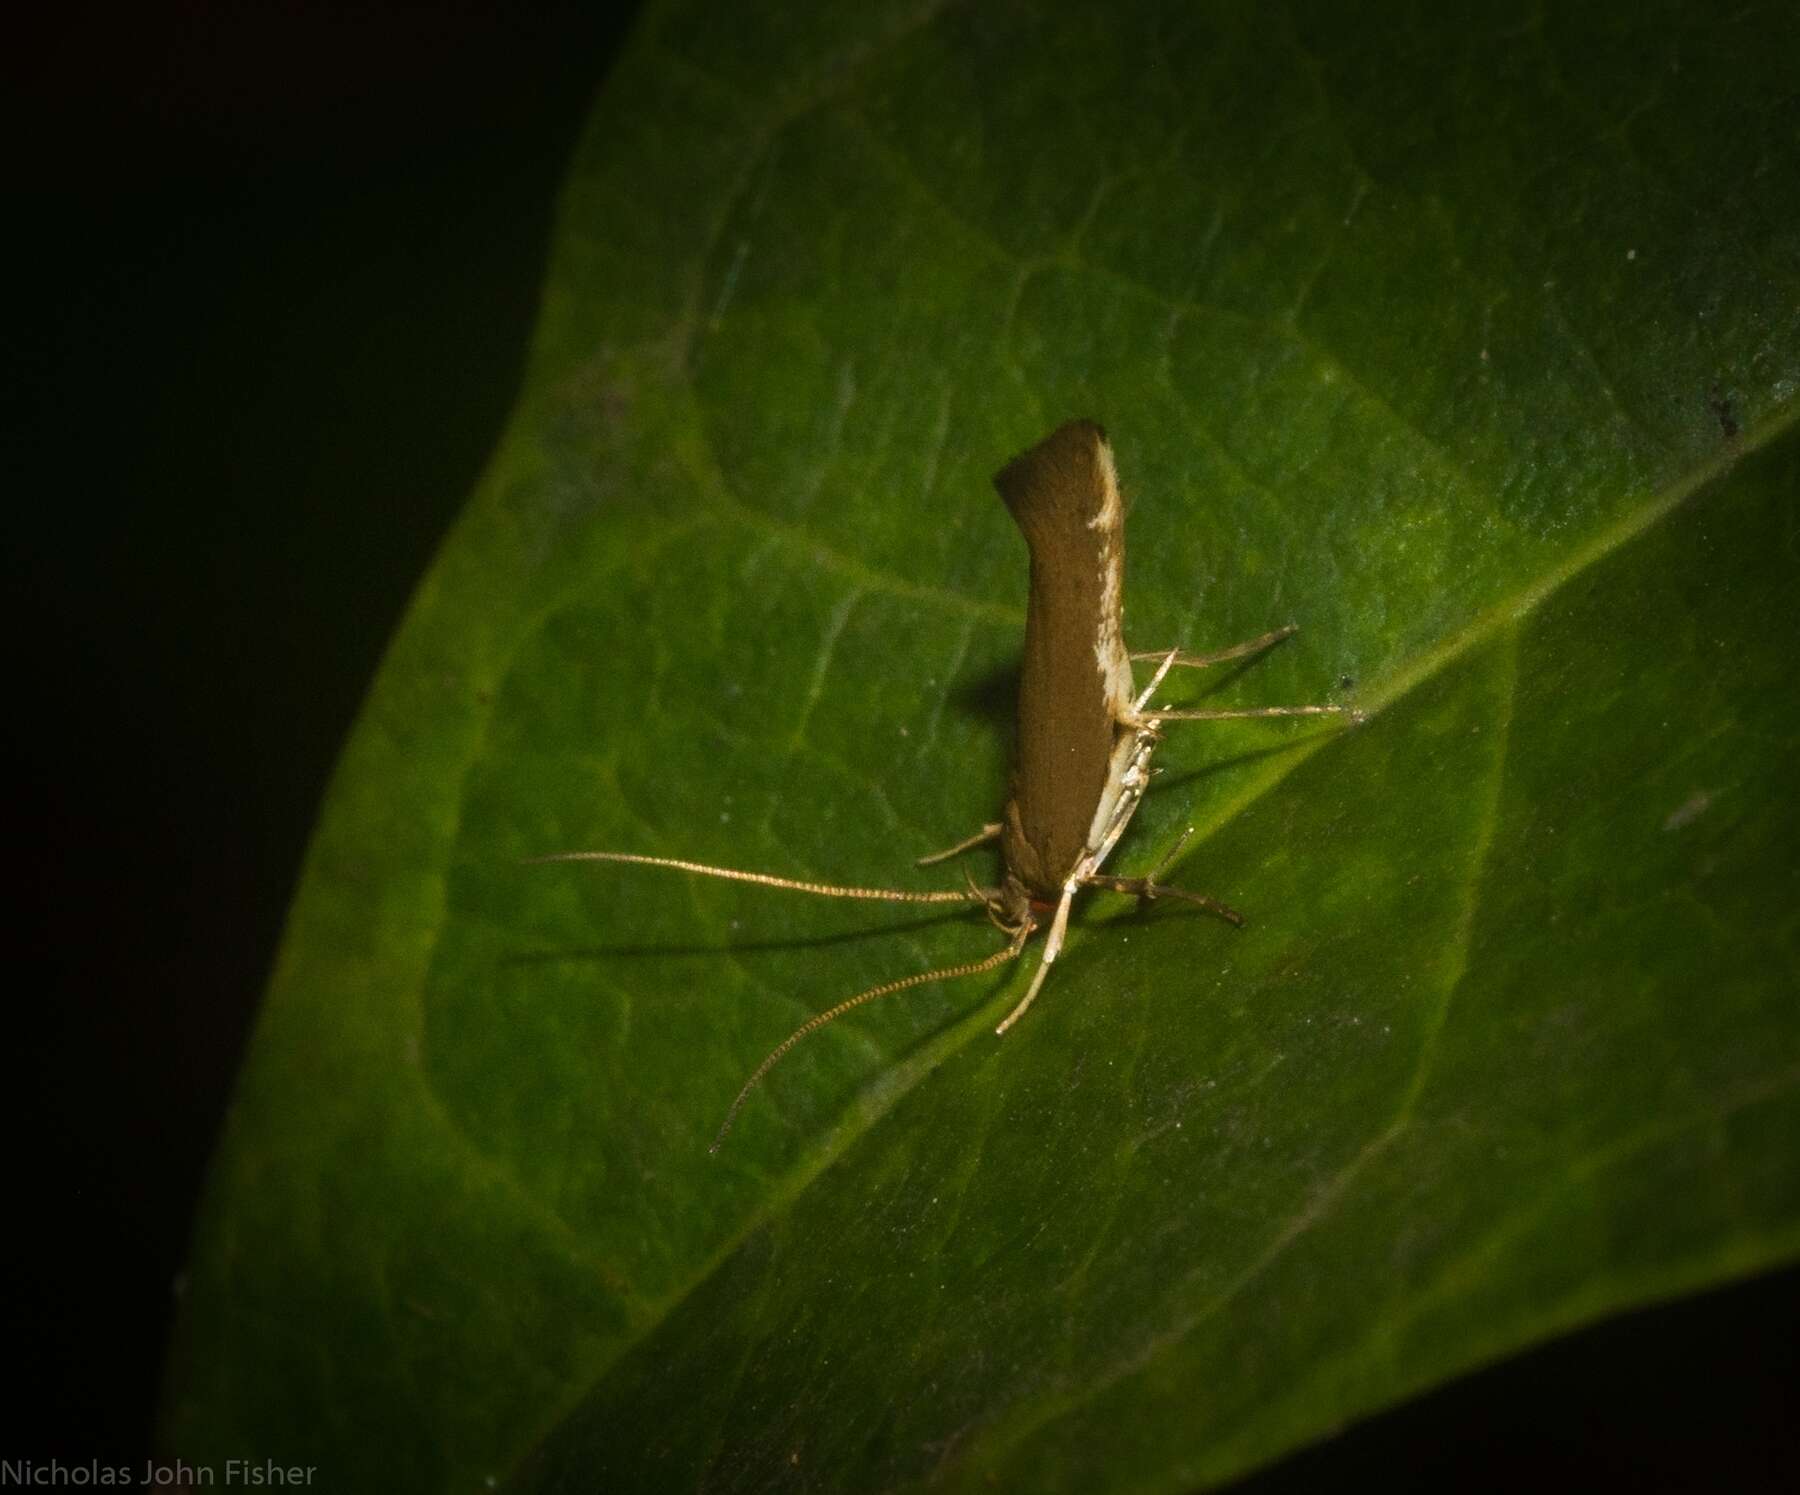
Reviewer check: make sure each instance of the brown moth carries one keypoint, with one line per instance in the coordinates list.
(1087, 733)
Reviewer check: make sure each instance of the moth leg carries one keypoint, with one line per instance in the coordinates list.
(1052, 948)
(981, 837)
(1150, 890)
(1169, 657)
(1161, 715)
(1169, 856)
(1237, 651)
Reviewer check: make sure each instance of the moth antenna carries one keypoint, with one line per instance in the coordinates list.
(887, 988)
(764, 879)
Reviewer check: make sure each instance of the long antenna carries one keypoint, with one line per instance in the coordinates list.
(887, 988)
(768, 879)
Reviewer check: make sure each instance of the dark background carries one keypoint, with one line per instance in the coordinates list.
(280, 264)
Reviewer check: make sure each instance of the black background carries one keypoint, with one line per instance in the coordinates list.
(279, 266)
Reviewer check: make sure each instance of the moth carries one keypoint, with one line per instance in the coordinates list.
(1087, 734)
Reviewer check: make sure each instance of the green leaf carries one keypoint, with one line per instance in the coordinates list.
(1469, 343)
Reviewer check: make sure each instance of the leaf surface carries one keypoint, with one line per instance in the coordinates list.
(1472, 347)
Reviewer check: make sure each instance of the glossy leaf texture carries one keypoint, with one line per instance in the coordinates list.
(1468, 342)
